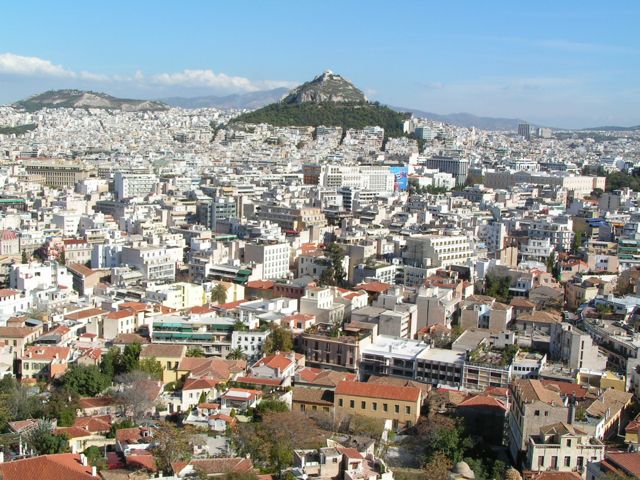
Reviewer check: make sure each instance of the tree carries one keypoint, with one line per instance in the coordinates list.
(44, 442)
(195, 352)
(95, 457)
(437, 468)
(334, 274)
(132, 394)
(62, 258)
(270, 405)
(130, 358)
(17, 402)
(152, 367)
(111, 362)
(86, 381)
(62, 405)
(219, 294)
(236, 354)
(279, 340)
(576, 242)
(25, 257)
(171, 445)
(370, 427)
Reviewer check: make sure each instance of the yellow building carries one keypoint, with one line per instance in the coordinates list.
(399, 404)
(613, 380)
(169, 357)
(179, 296)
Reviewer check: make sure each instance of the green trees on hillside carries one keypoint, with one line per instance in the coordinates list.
(345, 115)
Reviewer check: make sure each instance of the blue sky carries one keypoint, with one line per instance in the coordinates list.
(557, 63)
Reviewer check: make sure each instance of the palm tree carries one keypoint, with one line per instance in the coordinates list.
(236, 354)
(219, 294)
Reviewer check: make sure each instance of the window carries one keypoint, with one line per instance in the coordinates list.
(339, 402)
(385, 407)
(541, 461)
(568, 442)
(397, 408)
(363, 405)
(375, 406)
(407, 410)
(554, 462)
(567, 461)
(536, 413)
(352, 404)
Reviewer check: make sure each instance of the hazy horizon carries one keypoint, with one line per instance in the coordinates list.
(563, 65)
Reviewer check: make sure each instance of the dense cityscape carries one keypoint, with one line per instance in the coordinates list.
(306, 284)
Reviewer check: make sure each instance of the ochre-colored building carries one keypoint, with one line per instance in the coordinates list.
(399, 404)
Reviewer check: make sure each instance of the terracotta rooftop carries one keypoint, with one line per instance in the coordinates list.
(62, 466)
(372, 390)
(534, 390)
(158, 350)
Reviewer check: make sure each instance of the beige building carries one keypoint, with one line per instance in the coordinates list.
(399, 404)
(169, 357)
(425, 251)
(562, 448)
(482, 311)
(533, 406)
(56, 172)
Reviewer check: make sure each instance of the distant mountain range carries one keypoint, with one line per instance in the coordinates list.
(611, 128)
(85, 99)
(248, 101)
(468, 120)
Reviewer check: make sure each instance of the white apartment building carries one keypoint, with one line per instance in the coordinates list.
(42, 276)
(535, 250)
(558, 231)
(250, 342)
(67, 222)
(437, 250)
(153, 262)
(274, 258)
(128, 185)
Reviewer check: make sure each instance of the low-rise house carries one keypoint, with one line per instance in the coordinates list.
(91, 406)
(399, 404)
(169, 357)
(605, 414)
(616, 465)
(44, 363)
(309, 400)
(131, 439)
(212, 467)
(564, 448)
(240, 398)
(19, 336)
(59, 466)
(80, 439)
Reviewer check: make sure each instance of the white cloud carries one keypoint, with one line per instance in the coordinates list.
(208, 78)
(13, 64)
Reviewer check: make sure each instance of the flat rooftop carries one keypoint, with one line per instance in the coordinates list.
(395, 346)
(442, 355)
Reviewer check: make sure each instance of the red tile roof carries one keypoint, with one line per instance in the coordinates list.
(483, 401)
(275, 361)
(260, 284)
(61, 466)
(373, 287)
(373, 390)
(82, 314)
(630, 462)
